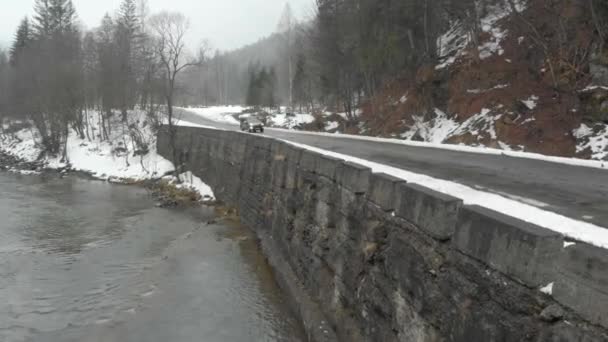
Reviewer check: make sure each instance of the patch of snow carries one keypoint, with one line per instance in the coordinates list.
(331, 125)
(289, 122)
(492, 47)
(481, 91)
(574, 229)
(223, 114)
(568, 244)
(435, 130)
(440, 127)
(547, 289)
(528, 120)
(592, 87)
(531, 102)
(356, 114)
(192, 182)
(23, 144)
(504, 146)
(480, 122)
(452, 44)
(594, 139)
(403, 99)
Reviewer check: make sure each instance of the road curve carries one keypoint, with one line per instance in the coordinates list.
(577, 192)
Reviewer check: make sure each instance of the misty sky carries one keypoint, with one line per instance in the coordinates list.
(227, 24)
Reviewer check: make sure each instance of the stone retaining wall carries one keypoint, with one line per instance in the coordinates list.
(369, 257)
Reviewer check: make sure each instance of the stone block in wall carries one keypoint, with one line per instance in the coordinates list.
(293, 154)
(309, 161)
(383, 190)
(581, 281)
(328, 166)
(262, 142)
(354, 177)
(518, 249)
(346, 201)
(279, 170)
(432, 211)
(325, 189)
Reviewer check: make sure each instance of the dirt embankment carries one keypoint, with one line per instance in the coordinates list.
(534, 79)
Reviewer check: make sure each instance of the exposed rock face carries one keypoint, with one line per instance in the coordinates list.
(383, 260)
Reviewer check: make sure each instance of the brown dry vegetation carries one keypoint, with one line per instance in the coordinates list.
(551, 62)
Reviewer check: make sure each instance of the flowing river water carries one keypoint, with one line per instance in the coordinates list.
(93, 262)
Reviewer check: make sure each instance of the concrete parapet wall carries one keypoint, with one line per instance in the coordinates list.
(380, 259)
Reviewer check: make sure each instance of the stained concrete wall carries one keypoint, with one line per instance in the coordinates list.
(368, 257)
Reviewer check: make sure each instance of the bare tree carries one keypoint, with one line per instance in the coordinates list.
(286, 29)
(170, 30)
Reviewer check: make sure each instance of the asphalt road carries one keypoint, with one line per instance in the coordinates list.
(577, 192)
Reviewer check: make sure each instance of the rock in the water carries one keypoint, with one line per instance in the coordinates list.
(552, 313)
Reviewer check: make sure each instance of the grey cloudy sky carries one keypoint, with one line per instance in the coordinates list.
(227, 24)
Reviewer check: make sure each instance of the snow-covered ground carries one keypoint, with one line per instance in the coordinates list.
(289, 122)
(454, 42)
(574, 229)
(224, 114)
(21, 144)
(118, 158)
(594, 139)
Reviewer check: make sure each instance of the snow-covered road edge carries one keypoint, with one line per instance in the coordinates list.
(461, 148)
(220, 115)
(571, 228)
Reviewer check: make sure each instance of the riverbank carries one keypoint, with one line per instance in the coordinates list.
(123, 154)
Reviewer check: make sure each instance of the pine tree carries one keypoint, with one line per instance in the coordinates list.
(128, 17)
(126, 38)
(42, 18)
(301, 82)
(22, 39)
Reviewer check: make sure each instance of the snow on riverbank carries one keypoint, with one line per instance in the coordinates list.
(128, 155)
(577, 230)
(21, 144)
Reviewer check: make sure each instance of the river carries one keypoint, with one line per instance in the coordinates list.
(89, 261)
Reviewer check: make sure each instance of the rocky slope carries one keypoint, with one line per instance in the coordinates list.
(535, 81)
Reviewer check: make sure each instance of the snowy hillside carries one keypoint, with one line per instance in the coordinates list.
(127, 155)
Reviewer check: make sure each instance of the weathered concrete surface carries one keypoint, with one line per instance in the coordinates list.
(390, 261)
(520, 249)
(434, 212)
(582, 281)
